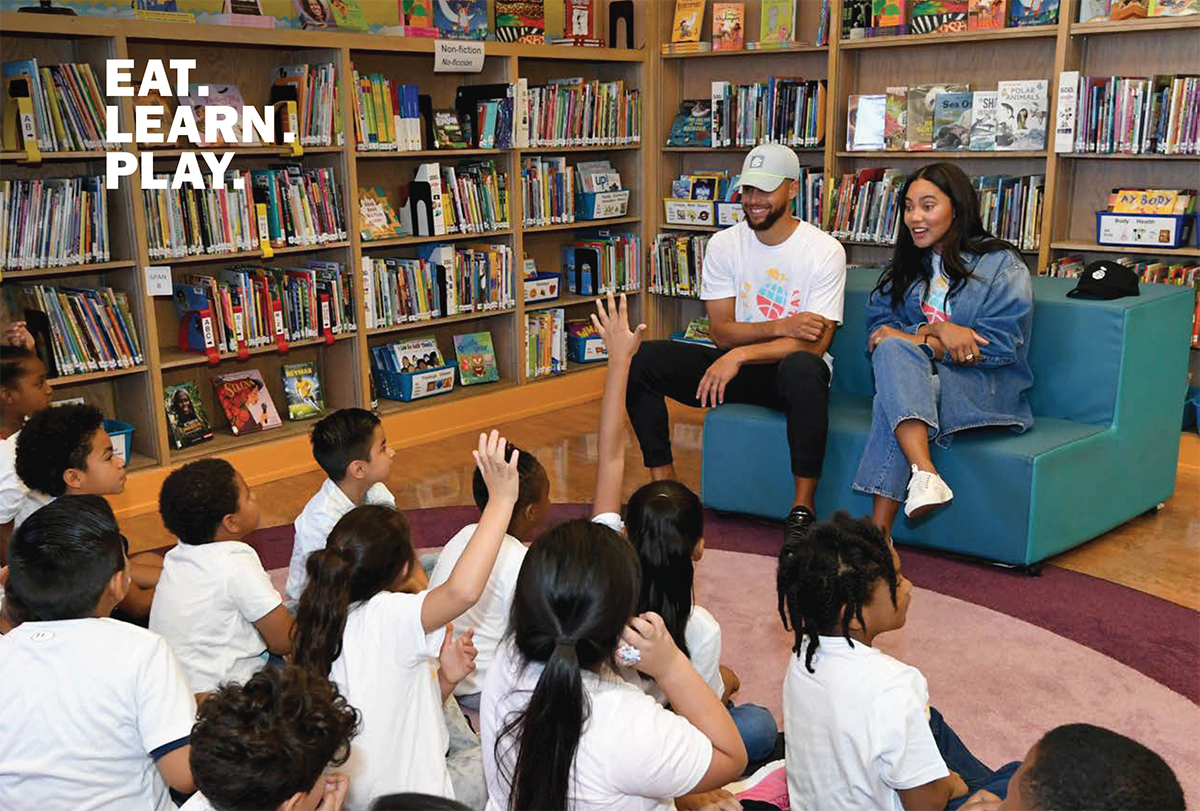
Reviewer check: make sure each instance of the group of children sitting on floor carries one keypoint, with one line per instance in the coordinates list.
(596, 680)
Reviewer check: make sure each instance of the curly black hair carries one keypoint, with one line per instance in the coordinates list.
(54, 441)
(1080, 766)
(12, 364)
(827, 575)
(197, 497)
(256, 744)
(341, 438)
(532, 481)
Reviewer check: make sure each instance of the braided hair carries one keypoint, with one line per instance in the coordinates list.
(827, 575)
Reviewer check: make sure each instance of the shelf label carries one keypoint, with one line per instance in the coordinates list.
(158, 280)
(457, 56)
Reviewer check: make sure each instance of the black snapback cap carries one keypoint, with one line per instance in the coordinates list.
(1106, 280)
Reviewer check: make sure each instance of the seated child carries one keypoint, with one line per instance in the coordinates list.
(351, 448)
(215, 603)
(266, 744)
(378, 645)
(97, 712)
(23, 393)
(1080, 767)
(489, 617)
(66, 451)
(858, 726)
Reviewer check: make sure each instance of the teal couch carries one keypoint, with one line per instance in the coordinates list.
(1109, 377)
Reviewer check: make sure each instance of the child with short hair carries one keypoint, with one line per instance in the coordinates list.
(215, 602)
(351, 447)
(97, 712)
(377, 644)
(24, 392)
(858, 726)
(65, 451)
(266, 744)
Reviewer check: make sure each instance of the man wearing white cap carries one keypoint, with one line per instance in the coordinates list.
(773, 286)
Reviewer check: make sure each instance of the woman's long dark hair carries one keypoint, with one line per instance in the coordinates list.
(966, 235)
(577, 589)
(367, 551)
(664, 521)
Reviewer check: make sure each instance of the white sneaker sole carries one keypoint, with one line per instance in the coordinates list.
(924, 509)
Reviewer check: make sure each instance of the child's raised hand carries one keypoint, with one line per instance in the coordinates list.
(18, 334)
(336, 787)
(648, 633)
(613, 325)
(501, 477)
(456, 659)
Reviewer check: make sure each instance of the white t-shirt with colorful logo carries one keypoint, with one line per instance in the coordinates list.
(936, 305)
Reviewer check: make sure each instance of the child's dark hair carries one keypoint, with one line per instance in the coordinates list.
(415, 802)
(197, 497)
(1080, 766)
(257, 744)
(366, 552)
(827, 575)
(54, 441)
(532, 480)
(577, 589)
(343, 437)
(664, 521)
(62, 557)
(13, 360)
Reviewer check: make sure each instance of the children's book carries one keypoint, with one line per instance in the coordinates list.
(728, 27)
(461, 19)
(943, 16)
(1093, 10)
(1021, 111)
(986, 14)
(251, 8)
(952, 121)
(417, 354)
(418, 18)
(185, 415)
(896, 114)
(778, 22)
(856, 18)
(865, 122)
(919, 124)
(521, 21)
(693, 124)
(1024, 13)
(689, 19)
(476, 358)
(377, 218)
(448, 130)
(887, 18)
(1173, 8)
(218, 95)
(314, 13)
(247, 403)
(302, 388)
(347, 15)
(983, 121)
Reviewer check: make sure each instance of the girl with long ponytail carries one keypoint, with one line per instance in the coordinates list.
(379, 645)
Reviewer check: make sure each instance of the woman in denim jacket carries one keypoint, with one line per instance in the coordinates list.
(948, 326)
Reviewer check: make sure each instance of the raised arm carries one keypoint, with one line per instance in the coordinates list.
(622, 342)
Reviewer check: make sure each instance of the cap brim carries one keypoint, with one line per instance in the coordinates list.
(1096, 295)
(760, 180)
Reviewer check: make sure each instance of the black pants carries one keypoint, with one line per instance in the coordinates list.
(798, 385)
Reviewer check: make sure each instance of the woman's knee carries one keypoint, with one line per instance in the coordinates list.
(896, 350)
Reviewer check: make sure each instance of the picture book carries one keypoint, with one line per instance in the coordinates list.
(377, 218)
(461, 19)
(942, 16)
(347, 15)
(418, 18)
(314, 13)
(952, 121)
(697, 329)
(689, 19)
(417, 354)
(983, 121)
(476, 358)
(728, 27)
(778, 21)
(448, 131)
(895, 116)
(1151, 201)
(247, 403)
(1021, 112)
(865, 122)
(521, 21)
(693, 124)
(185, 415)
(218, 95)
(1023, 13)
(579, 22)
(856, 18)
(302, 388)
(986, 14)
(1173, 8)
(251, 8)
(887, 18)
(1093, 10)
(919, 123)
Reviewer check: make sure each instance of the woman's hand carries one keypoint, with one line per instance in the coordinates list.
(613, 325)
(961, 343)
(884, 332)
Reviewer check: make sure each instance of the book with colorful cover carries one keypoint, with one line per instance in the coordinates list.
(865, 122)
(246, 402)
(476, 357)
(218, 96)
(1021, 113)
(314, 14)
(856, 18)
(347, 15)
(1128, 9)
(418, 18)
(521, 21)
(986, 14)
(416, 354)
(895, 118)
(729, 26)
(448, 130)
(693, 124)
(1024, 13)
(778, 22)
(689, 19)
(185, 415)
(919, 124)
(887, 18)
(1093, 10)
(1173, 8)
(942, 16)
(461, 19)
(376, 216)
(952, 121)
(983, 121)
(302, 388)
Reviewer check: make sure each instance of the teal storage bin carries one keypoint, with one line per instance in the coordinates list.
(121, 434)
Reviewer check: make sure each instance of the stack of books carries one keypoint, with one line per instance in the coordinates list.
(545, 343)
(88, 330)
(474, 198)
(1132, 115)
(319, 102)
(1011, 207)
(191, 222)
(547, 190)
(676, 264)
(68, 107)
(782, 110)
(53, 223)
(867, 206)
(387, 114)
(574, 112)
(304, 205)
(598, 263)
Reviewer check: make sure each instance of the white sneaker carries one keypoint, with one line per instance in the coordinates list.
(925, 491)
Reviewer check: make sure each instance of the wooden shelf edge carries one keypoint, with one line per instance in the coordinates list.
(570, 226)
(21, 157)
(1096, 247)
(1160, 24)
(434, 323)
(98, 267)
(960, 154)
(987, 35)
(402, 241)
(91, 377)
(175, 358)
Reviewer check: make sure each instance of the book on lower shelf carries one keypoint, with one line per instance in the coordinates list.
(187, 420)
(246, 401)
(696, 332)
(88, 329)
(676, 264)
(303, 391)
(783, 109)
(545, 343)
(475, 356)
(547, 190)
(603, 261)
(57, 222)
(463, 198)
(411, 369)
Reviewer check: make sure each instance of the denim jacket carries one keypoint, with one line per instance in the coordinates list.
(997, 302)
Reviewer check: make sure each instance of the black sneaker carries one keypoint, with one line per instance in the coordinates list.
(799, 521)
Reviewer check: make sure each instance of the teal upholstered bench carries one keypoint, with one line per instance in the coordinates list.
(1108, 380)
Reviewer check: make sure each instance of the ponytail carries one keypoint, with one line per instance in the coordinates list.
(321, 616)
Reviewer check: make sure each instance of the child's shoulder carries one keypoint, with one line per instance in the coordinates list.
(702, 624)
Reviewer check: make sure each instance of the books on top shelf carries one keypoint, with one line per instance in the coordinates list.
(689, 19)
(547, 190)
(88, 329)
(247, 403)
(1022, 114)
(574, 112)
(693, 124)
(856, 18)
(1131, 115)
(777, 25)
(186, 418)
(1173, 8)
(940, 16)
(68, 106)
(475, 356)
(302, 389)
(417, 18)
(53, 223)
(523, 21)
(922, 101)
(1023, 13)
(676, 264)
(782, 109)
(950, 117)
(545, 343)
(603, 261)
(888, 18)
(464, 19)
(728, 26)
(983, 14)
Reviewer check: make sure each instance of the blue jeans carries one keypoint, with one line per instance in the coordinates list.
(906, 388)
(757, 727)
(959, 759)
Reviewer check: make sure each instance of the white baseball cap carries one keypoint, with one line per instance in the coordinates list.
(768, 165)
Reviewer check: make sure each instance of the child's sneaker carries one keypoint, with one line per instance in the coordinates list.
(925, 491)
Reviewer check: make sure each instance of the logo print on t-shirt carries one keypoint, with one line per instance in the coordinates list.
(41, 636)
(771, 300)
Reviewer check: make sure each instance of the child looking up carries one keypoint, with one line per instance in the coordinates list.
(97, 713)
(215, 603)
(488, 618)
(858, 726)
(266, 744)
(23, 393)
(351, 447)
(378, 644)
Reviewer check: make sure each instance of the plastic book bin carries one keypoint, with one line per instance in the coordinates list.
(1108, 380)
(121, 434)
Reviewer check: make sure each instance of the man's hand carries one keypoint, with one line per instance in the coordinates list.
(712, 385)
(808, 327)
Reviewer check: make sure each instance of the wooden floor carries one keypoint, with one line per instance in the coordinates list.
(1158, 554)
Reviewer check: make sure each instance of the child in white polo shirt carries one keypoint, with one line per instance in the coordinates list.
(215, 603)
(97, 712)
(23, 393)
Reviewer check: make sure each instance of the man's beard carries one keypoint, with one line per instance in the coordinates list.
(770, 219)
